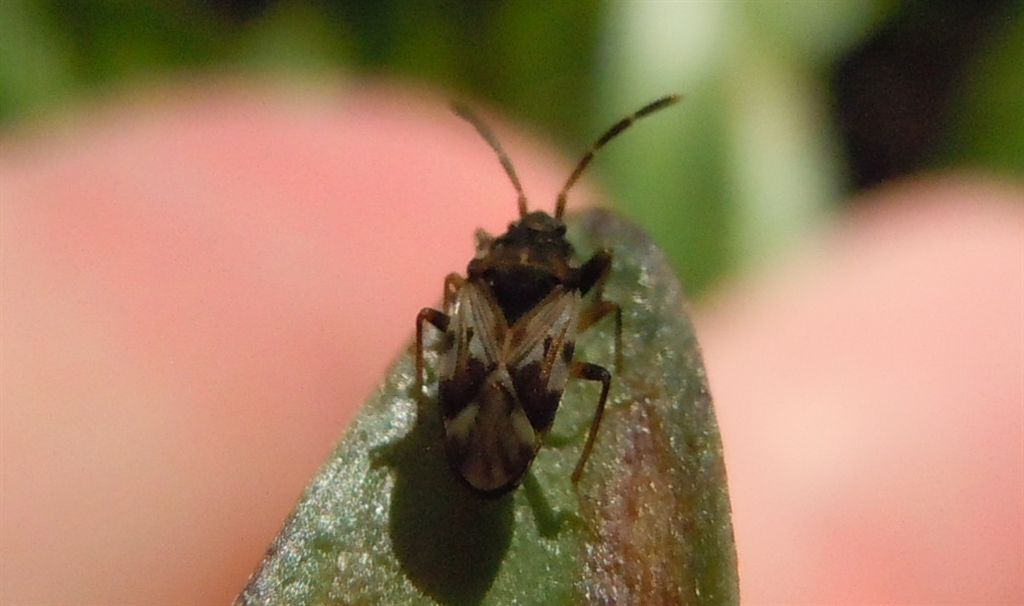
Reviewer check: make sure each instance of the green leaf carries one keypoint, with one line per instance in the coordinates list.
(386, 522)
(749, 160)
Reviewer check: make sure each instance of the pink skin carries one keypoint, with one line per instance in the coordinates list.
(198, 292)
(870, 392)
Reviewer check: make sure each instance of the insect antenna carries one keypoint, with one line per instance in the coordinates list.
(467, 114)
(612, 132)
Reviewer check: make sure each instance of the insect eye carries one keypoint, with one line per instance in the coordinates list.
(561, 229)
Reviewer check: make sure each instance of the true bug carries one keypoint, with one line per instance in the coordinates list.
(510, 328)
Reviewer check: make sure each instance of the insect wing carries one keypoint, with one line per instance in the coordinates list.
(476, 332)
(541, 347)
(491, 442)
(488, 436)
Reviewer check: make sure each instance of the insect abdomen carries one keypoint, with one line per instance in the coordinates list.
(490, 442)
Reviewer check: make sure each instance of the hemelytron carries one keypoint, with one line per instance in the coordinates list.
(511, 326)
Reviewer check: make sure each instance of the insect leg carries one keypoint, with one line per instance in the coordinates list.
(593, 276)
(591, 372)
(440, 321)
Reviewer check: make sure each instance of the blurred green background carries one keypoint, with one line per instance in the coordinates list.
(790, 107)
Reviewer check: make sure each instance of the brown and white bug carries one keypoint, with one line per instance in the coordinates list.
(510, 328)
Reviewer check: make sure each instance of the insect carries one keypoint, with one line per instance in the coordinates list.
(510, 329)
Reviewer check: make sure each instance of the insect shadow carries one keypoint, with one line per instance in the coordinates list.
(448, 541)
